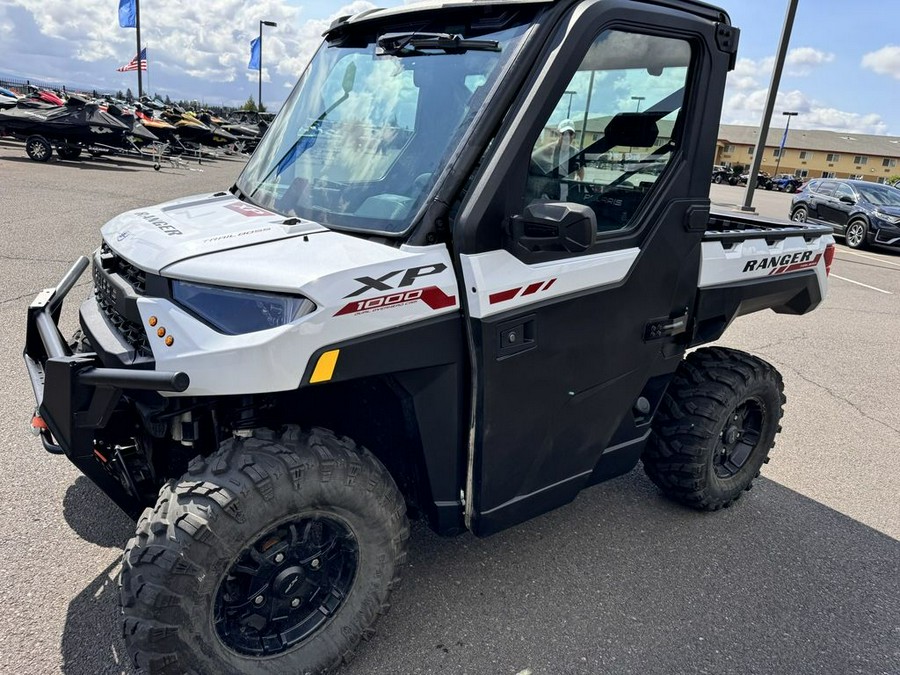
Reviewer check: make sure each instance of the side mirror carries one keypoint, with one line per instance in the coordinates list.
(846, 199)
(554, 226)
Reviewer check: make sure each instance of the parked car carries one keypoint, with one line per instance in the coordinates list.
(863, 213)
(724, 174)
(763, 180)
(787, 183)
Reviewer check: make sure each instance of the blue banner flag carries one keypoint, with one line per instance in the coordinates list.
(127, 13)
(783, 141)
(254, 54)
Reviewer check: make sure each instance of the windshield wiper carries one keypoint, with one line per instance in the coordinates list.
(309, 137)
(416, 44)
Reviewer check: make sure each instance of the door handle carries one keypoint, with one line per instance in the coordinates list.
(516, 336)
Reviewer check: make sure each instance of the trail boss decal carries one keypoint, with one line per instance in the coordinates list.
(781, 264)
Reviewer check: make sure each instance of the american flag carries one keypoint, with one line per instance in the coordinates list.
(137, 62)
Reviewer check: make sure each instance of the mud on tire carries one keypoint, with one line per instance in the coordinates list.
(715, 427)
(189, 549)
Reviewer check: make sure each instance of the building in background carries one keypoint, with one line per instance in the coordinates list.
(813, 154)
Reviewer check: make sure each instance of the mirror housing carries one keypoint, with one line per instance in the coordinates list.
(554, 226)
(847, 199)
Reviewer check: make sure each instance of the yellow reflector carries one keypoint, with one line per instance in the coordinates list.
(325, 367)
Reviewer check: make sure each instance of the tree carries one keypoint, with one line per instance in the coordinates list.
(250, 104)
(120, 95)
(262, 107)
(128, 95)
(168, 100)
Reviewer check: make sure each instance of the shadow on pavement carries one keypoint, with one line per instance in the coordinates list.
(94, 517)
(621, 581)
(87, 164)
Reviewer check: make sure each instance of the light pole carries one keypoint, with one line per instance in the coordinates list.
(783, 139)
(638, 99)
(570, 94)
(261, 24)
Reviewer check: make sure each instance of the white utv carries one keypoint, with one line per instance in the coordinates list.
(443, 287)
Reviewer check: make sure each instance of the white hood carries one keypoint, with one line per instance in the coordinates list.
(155, 237)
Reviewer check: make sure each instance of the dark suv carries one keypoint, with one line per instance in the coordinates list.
(863, 213)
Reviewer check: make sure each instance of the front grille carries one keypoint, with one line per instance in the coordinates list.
(106, 294)
(133, 334)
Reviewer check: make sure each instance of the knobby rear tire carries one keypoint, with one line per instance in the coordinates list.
(202, 523)
(685, 450)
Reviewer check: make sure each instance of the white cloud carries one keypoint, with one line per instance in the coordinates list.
(742, 107)
(885, 61)
(185, 41)
(745, 96)
(802, 60)
(6, 24)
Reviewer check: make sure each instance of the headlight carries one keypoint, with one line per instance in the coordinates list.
(235, 311)
(887, 217)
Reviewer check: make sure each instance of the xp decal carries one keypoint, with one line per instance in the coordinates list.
(409, 278)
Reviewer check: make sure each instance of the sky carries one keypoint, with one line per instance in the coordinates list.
(842, 71)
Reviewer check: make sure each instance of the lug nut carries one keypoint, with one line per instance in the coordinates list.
(315, 564)
(258, 600)
(295, 602)
(279, 557)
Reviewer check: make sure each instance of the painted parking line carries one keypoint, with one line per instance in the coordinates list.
(859, 283)
(870, 257)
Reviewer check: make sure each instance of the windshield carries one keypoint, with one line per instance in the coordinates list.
(362, 138)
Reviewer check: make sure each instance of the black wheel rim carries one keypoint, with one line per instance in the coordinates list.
(738, 439)
(286, 586)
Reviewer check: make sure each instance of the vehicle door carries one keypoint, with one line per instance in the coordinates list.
(575, 332)
(820, 202)
(841, 205)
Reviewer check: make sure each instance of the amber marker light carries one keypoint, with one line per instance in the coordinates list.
(161, 331)
(170, 341)
(152, 320)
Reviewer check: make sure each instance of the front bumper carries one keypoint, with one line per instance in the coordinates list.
(74, 393)
(887, 234)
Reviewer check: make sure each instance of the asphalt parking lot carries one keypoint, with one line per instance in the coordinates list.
(802, 576)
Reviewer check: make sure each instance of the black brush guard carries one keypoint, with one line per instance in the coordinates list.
(76, 395)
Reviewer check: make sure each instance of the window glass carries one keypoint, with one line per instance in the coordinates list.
(844, 190)
(827, 188)
(366, 132)
(615, 128)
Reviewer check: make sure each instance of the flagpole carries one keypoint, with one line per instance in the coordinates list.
(137, 17)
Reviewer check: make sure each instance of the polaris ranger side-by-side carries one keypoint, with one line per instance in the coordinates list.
(435, 290)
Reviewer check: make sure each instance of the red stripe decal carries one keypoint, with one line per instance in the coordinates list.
(435, 298)
(432, 296)
(796, 267)
(503, 296)
(533, 288)
(549, 283)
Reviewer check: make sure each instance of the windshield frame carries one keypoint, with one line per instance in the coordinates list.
(521, 32)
